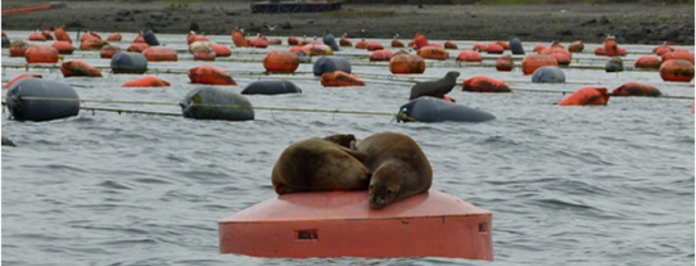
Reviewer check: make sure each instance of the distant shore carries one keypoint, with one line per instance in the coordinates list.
(630, 23)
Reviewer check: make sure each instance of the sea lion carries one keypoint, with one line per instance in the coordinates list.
(399, 168)
(344, 140)
(318, 164)
(437, 88)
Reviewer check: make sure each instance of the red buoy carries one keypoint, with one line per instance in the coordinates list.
(505, 63)
(37, 37)
(396, 44)
(78, 68)
(662, 49)
(281, 62)
(209, 75)
(160, 54)
(433, 52)
(648, 61)
(480, 47)
(293, 40)
(318, 49)
(469, 56)
(374, 46)
(677, 70)
(404, 63)
(485, 84)
(636, 89)
(61, 35)
(678, 54)
(239, 40)
(539, 48)
(63, 47)
(138, 47)
(258, 43)
(420, 41)
(361, 44)
(41, 54)
(381, 55)
(221, 50)
(139, 39)
(562, 56)
(18, 48)
(495, 48)
(587, 96)
(48, 35)
(340, 224)
(108, 51)
(340, 79)
(345, 42)
(576, 47)
(534, 61)
(92, 44)
(451, 45)
(146, 82)
(114, 37)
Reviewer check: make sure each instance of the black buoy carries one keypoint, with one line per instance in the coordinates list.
(271, 87)
(216, 103)
(56, 100)
(128, 63)
(548, 74)
(430, 109)
(330, 64)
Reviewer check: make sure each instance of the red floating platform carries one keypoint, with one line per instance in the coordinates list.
(341, 224)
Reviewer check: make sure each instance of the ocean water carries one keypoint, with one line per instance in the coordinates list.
(611, 185)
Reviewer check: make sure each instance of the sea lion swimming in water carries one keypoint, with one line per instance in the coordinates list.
(319, 164)
(399, 168)
(437, 88)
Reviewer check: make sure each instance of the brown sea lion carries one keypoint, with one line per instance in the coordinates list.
(317, 164)
(437, 88)
(345, 140)
(399, 168)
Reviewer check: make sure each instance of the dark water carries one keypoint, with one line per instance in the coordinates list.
(607, 185)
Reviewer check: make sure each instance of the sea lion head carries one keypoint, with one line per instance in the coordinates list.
(453, 75)
(384, 187)
(344, 140)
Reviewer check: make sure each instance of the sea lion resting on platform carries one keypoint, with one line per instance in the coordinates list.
(399, 167)
(319, 164)
(437, 88)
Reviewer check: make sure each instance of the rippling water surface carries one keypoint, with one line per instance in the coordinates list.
(607, 185)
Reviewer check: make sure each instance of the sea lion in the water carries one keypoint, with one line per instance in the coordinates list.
(317, 164)
(399, 168)
(437, 88)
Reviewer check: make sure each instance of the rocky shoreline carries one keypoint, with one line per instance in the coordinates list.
(630, 23)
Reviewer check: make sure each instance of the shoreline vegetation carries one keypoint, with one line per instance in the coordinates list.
(630, 21)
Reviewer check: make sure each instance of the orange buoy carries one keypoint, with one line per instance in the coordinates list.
(504, 44)
(562, 56)
(677, 70)
(599, 51)
(4, 35)
(539, 48)
(275, 41)
(636, 89)
(469, 56)
(221, 50)
(361, 44)
(61, 35)
(239, 40)
(191, 38)
(318, 49)
(662, 49)
(204, 55)
(138, 47)
(495, 48)
(146, 82)
(160, 54)
(451, 45)
(258, 43)
(648, 61)
(21, 77)
(345, 42)
(610, 47)
(63, 47)
(557, 44)
(405, 63)
(328, 224)
(281, 62)
(95, 34)
(374, 46)
(340, 79)
(576, 47)
(92, 44)
(480, 47)
(678, 54)
(37, 37)
(41, 54)
(622, 51)
(293, 40)
(88, 37)
(209, 75)
(114, 37)
(297, 49)
(587, 96)
(534, 61)
(48, 35)
(108, 51)
(18, 48)
(381, 55)
(485, 84)
(396, 44)
(504, 63)
(139, 39)
(433, 52)
(420, 41)
(78, 68)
